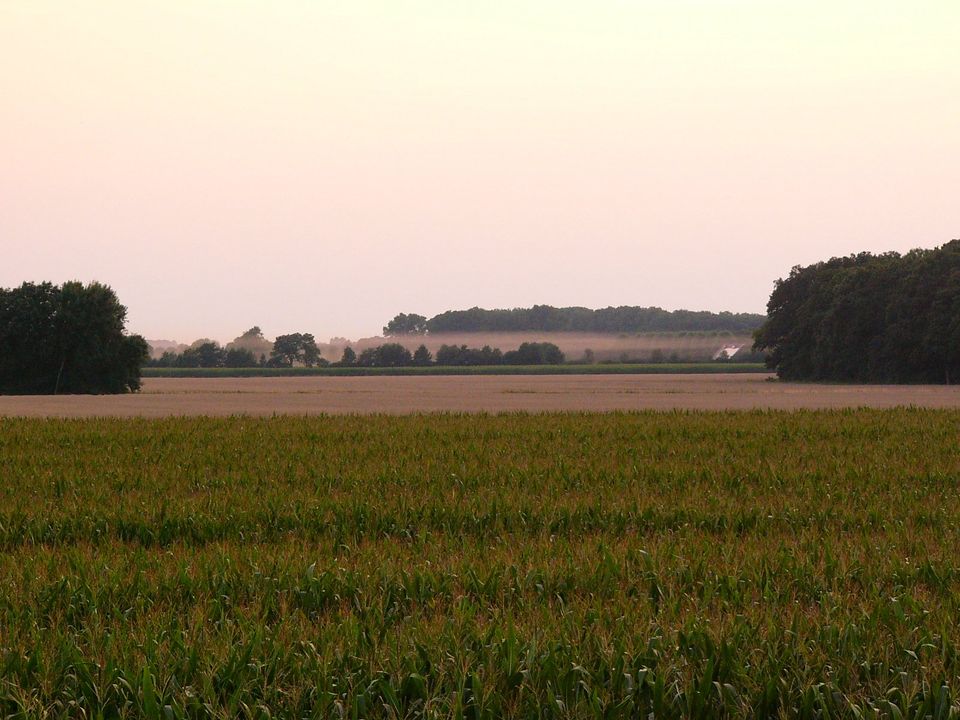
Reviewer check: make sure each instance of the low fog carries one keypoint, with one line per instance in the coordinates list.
(604, 347)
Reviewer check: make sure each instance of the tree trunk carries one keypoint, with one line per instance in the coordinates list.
(63, 361)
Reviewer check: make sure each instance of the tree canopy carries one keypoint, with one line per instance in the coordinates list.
(67, 339)
(387, 355)
(252, 340)
(545, 318)
(463, 355)
(868, 318)
(534, 353)
(295, 349)
(404, 324)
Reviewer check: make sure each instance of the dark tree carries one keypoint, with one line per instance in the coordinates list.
(238, 357)
(387, 355)
(533, 353)
(368, 357)
(286, 350)
(187, 359)
(463, 355)
(209, 355)
(295, 349)
(310, 352)
(868, 318)
(252, 340)
(449, 354)
(349, 357)
(67, 339)
(168, 359)
(404, 324)
(422, 356)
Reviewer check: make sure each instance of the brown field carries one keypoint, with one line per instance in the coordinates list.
(495, 393)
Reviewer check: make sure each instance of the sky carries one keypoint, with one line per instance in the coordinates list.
(318, 166)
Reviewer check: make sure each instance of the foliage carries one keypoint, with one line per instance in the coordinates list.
(67, 339)
(239, 357)
(396, 355)
(422, 357)
(253, 341)
(462, 355)
(404, 324)
(349, 357)
(386, 355)
(295, 349)
(690, 565)
(544, 318)
(246, 351)
(868, 318)
(207, 354)
(534, 353)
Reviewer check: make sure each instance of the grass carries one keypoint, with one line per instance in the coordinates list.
(697, 565)
(571, 369)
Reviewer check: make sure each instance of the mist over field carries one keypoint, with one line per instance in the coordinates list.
(604, 346)
(644, 347)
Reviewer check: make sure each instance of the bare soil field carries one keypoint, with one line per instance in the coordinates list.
(401, 395)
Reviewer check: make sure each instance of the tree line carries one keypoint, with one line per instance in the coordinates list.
(862, 318)
(396, 355)
(300, 349)
(251, 349)
(545, 318)
(868, 318)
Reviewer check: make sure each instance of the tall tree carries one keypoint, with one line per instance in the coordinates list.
(238, 357)
(422, 356)
(67, 339)
(534, 353)
(386, 355)
(868, 318)
(295, 349)
(404, 324)
(349, 357)
(252, 340)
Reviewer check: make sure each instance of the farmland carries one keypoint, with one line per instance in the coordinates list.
(162, 397)
(557, 565)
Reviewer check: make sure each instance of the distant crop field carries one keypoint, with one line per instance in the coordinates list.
(752, 564)
(571, 369)
(264, 396)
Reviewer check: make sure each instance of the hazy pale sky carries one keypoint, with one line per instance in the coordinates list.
(317, 166)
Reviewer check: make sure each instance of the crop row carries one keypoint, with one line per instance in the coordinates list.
(562, 565)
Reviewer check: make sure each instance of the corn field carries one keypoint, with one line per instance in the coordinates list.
(636, 565)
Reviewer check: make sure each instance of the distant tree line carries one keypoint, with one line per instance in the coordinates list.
(286, 351)
(868, 318)
(206, 355)
(396, 355)
(301, 350)
(544, 318)
(66, 339)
